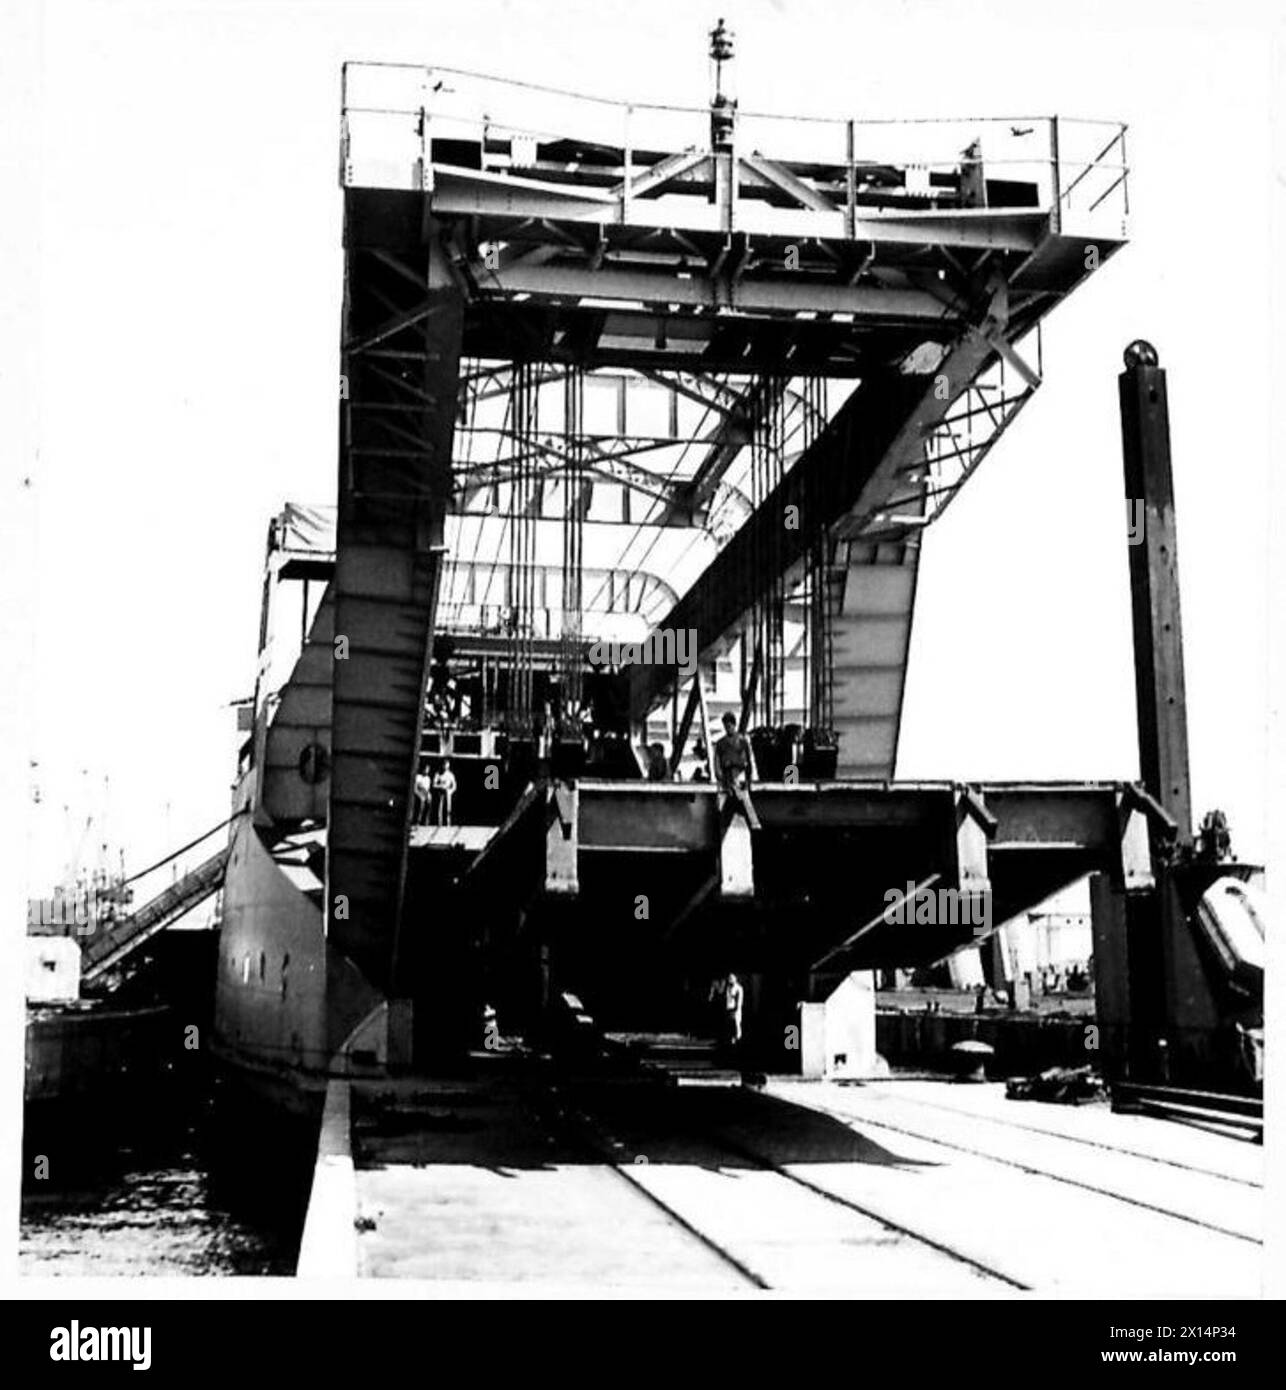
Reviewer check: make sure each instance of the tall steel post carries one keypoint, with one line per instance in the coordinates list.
(1154, 584)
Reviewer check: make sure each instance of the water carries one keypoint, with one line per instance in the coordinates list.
(198, 1184)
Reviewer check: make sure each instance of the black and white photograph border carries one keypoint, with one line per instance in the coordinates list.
(528, 772)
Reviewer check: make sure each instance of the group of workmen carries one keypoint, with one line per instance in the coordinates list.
(434, 795)
(732, 761)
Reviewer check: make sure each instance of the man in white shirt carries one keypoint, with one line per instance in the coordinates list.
(423, 797)
(444, 791)
(734, 998)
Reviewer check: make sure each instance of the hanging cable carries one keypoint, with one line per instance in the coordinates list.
(573, 541)
(720, 384)
(183, 849)
(818, 608)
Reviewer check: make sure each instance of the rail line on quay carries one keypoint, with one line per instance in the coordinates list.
(578, 1117)
(1086, 1142)
(1033, 1170)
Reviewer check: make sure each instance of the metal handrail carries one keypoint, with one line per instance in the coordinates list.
(496, 127)
(429, 69)
(472, 107)
(1097, 162)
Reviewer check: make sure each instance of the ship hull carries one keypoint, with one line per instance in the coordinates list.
(289, 1011)
(78, 1056)
(93, 1073)
(270, 985)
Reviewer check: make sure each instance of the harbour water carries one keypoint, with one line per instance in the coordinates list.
(197, 1184)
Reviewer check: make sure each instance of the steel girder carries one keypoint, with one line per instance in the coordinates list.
(394, 490)
(830, 474)
(815, 847)
(882, 450)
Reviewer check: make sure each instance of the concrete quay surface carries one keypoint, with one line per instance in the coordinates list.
(521, 1180)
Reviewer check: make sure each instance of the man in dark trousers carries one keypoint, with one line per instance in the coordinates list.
(732, 757)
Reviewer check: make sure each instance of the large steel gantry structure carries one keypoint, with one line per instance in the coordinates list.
(808, 334)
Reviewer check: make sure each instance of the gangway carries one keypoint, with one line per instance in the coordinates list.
(105, 950)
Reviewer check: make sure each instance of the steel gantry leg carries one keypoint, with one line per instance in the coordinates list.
(403, 318)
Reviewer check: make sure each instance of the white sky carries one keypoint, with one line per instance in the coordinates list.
(190, 281)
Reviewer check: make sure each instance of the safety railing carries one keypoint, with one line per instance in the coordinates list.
(398, 119)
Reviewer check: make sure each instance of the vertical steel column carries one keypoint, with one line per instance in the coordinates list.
(1154, 585)
(395, 486)
(1055, 179)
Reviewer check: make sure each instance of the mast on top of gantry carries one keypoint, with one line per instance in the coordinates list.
(723, 101)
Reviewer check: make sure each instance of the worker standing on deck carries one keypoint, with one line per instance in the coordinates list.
(423, 797)
(734, 998)
(444, 791)
(732, 757)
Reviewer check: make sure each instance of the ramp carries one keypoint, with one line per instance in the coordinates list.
(107, 949)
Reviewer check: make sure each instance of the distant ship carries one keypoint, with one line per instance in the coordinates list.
(96, 1039)
(82, 1051)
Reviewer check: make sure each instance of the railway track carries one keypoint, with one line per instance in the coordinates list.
(685, 1180)
(1239, 1113)
(776, 1228)
(1085, 1142)
(1036, 1170)
(793, 1192)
